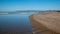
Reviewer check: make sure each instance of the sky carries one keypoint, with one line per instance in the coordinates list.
(13, 5)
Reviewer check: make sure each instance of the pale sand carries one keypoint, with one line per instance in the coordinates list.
(47, 23)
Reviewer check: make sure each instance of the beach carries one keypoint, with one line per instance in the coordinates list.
(46, 23)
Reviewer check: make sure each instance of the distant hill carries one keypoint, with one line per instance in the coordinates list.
(20, 11)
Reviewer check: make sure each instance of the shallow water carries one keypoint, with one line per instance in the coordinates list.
(15, 23)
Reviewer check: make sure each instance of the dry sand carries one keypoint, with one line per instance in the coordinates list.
(47, 23)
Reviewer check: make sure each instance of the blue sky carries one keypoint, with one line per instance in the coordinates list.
(13, 5)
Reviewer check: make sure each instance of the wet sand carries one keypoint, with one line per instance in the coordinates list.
(46, 23)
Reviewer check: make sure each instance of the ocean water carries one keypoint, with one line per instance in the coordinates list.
(16, 23)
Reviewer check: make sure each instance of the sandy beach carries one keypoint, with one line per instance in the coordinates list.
(46, 23)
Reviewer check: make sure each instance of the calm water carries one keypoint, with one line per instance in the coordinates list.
(15, 23)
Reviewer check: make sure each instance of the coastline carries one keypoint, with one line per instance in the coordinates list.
(42, 23)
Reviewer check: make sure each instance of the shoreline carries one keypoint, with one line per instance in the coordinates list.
(39, 23)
